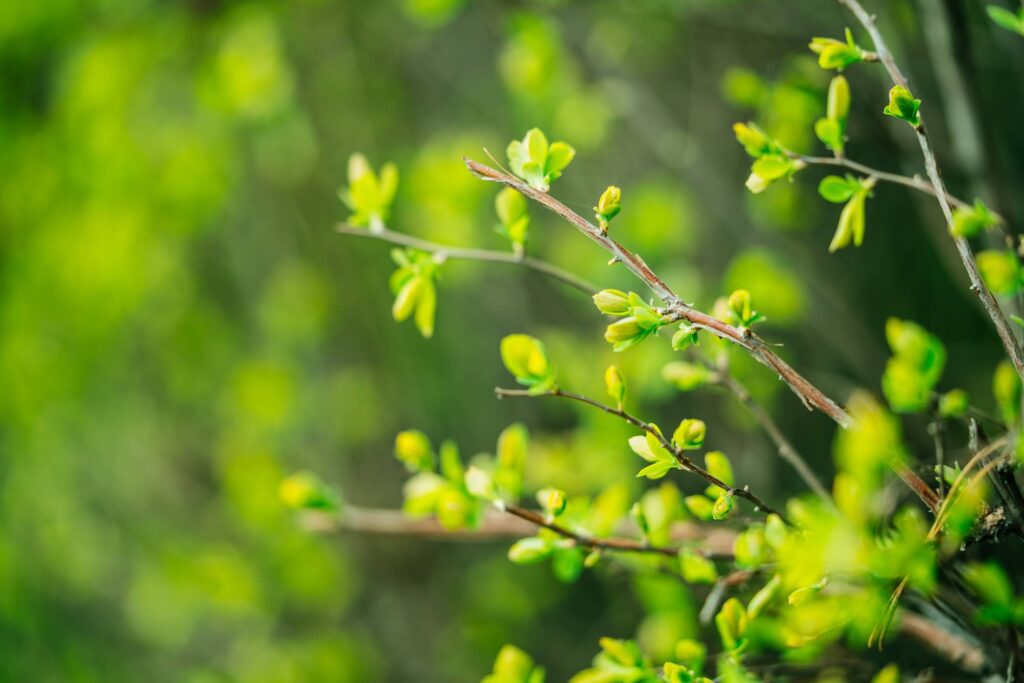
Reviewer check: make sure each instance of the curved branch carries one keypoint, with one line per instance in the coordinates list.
(675, 308)
(463, 254)
(931, 165)
(685, 461)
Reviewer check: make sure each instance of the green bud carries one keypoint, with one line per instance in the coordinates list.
(718, 465)
(731, 622)
(740, 311)
(723, 506)
(968, 221)
(608, 206)
(612, 302)
(512, 666)
(529, 550)
(830, 132)
(689, 435)
(835, 54)
(306, 491)
(851, 223)
(1000, 269)
(552, 500)
(685, 337)
(903, 106)
(838, 106)
(408, 298)
(954, 403)
(753, 139)
(615, 385)
(526, 358)
(622, 330)
(696, 568)
(413, 448)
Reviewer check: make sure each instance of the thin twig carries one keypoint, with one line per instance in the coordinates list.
(514, 522)
(931, 165)
(785, 448)
(685, 461)
(460, 253)
(675, 308)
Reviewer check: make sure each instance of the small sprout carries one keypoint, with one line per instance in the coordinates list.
(513, 217)
(851, 219)
(731, 622)
(968, 221)
(954, 403)
(1001, 271)
(529, 550)
(552, 500)
(306, 491)
(615, 385)
(612, 302)
(608, 207)
(696, 568)
(1004, 18)
(687, 376)
(368, 195)
(689, 435)
(413, 448)
(835, 54)
(479, 483)
(831, 130)
(902, 105)
(527, 360)
(740, 312)
(685, 337)
(700, 507)
(723, 506)
(537, 162)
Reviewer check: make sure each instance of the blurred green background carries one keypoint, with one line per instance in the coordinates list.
(180, 328)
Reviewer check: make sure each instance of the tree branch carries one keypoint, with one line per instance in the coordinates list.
(684, 460)
(675, 308)
(963, 247)
(459, 253)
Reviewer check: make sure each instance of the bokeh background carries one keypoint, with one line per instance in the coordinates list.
(180, 327)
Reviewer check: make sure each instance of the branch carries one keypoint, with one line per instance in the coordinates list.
(955, 649)
(935, 176)
(446, 252)
(684, 460)
(785, 449)
(515, 522)
(675, 308)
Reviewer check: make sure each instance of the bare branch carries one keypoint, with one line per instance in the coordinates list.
(675, 308)
(463, 254)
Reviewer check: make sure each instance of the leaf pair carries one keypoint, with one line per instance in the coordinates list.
(855, 193)
(368, 195)
(536, 161)
(527, 359)
(837, 54)
(414, 289)
(639, 318)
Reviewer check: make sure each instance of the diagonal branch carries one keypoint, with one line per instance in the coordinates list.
(685, 461)
(675, 308)
(463, 254)
(931, 165)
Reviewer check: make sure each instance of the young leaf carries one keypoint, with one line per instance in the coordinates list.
(1007, 19)
(615, 385)
(306, 491)
(1001, 271)
(526, 358)
(608, 206)
(902, 105)
(836, 189)
(413, 448)
(696, 568)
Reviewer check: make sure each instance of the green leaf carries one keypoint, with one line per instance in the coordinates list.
(510, 455)
(836, 54)
(902, 105)
(686, 376)
(838, 103)
(689, 435)
(837, 189)
(413, 448)
(685, 337)
(537, 162)
(451, 462)
(456, 509)
(608, 206)
(753, 139)
(306, 491)
(420, 494)
(723, 506)
(696, 568)
(700, 507)
(968, 221)
(368, 196)
(851, 223)
(657, 470)
(889, 674)
(567, 563)
(560, 155)
(830, 132)
(426, 308)
(1006, 387)
(731, 622)
(529, 550)
(954, 403)
(718, 465)
(526, 358)
(1000, 269)
(552, 500)
(612, 302)
(615, 385)
(750, 548)
(764, 597)
(1004, 18)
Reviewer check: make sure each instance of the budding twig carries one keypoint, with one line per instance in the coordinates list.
(464, 254)
(963, 247)
(675, 308)
(685, 461)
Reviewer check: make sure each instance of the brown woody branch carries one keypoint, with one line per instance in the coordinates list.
(963, 247)
(675, 308)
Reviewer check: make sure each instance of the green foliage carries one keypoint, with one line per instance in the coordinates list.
(1006, 19)
(649, 447)
(306, 491)
(771, 161)
(686, 376)
(1006, 387)
(969, 221)
(915, 367)
(639, 320)
(369, 196)
(739, 311)
(1001, 271)
(414, 449)
(536, 161)
(855, 193)
(615, 385)
(512, 665)
(831, 129)
(608, 206)
(413, 285)
(954, 403)
(696, 568)
(836, 54)
(527, 359)
(902, 105)
(513, 218)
